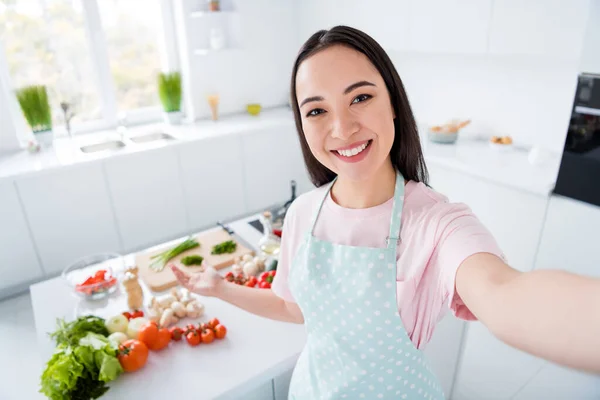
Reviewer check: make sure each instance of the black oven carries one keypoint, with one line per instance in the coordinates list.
(579, 172)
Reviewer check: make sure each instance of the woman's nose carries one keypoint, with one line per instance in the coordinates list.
(344, 126)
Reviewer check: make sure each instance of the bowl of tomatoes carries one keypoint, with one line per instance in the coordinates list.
(94, 277)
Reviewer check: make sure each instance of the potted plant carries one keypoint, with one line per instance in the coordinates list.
(169, 91)
(36, 109)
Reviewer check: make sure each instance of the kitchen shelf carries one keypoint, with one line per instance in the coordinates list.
(209, 51)
(212, 14)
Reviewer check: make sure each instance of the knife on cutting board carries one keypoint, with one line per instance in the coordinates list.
(237, 237)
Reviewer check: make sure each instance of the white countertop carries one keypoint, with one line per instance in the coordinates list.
(66, 151)
(254, 351)
(470, 155)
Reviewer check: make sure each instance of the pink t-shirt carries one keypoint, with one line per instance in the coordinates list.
(437, 236)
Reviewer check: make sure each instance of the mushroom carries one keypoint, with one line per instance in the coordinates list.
(194, 309)
(153, 315)
(251, 269)
(186, 297)
(179, 309)
(247, 257)
(168, 318)
(166, 301)
(237, 269)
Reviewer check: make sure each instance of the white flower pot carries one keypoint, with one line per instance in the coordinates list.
(44, 138)
(173, 118)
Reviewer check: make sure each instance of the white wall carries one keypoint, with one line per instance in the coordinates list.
(257, 73)
(527, 96)
(590, 59)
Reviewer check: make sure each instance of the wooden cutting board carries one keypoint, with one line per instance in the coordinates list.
(165, 279)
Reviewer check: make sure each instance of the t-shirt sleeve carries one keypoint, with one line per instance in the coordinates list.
(460, 235)
(280, 284)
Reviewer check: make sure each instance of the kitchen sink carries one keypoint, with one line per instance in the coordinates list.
(110, 145)
(151, 137)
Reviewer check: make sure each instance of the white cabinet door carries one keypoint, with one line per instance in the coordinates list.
(147, 196)
(386, 21)
(538, 27)
(490, 369)
(513, 217)
(271, 159)
(449, 26)
(570, 237)
(281, 385)
(69, 213)
(18, 259)
(213, 180)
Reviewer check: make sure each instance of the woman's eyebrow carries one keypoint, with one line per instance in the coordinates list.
(357, 85)
(350, 88)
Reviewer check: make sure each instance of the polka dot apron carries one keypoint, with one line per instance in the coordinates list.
(357, 347)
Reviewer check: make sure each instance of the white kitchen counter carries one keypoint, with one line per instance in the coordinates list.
(255, 350)
(65, 151)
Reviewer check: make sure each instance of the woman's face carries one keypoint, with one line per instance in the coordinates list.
(347, 117)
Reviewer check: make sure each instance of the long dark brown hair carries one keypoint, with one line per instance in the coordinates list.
(406, 154)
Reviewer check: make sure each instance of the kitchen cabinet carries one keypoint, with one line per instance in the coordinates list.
(281, 385)
(18, 260)
(504, 211)
(272, 157)
(69, 213)
(443, 350)
(213, 180)
(147, 196)
(570, 237)
(449, 26)
(529, 27)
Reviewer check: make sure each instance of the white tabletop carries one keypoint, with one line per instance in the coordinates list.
(254, 351)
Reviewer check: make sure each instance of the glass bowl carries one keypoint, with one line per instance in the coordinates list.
(94, 277)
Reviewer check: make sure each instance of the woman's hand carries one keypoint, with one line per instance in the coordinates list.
(203, 283)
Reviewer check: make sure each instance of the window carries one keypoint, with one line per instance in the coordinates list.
(101, 56)
(46, 44)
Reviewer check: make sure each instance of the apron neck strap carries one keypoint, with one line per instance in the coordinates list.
(396, 217)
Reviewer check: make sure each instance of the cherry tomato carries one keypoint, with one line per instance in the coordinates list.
(265, 285)
(127, 315)
(176, 333)
(191, 328)
(252, 280)
(213, 322)
(132, 355)
(163, 338)
(203, 326)
(148, 334)
(220, 331)
(250, 284)
(137, 314)
(229, 275)
(207, 336)
(193, 338)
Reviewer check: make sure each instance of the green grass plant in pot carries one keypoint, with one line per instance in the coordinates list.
(36, 109)
(169, 91)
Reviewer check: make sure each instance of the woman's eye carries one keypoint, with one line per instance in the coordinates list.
(361, 98)
(315, 112)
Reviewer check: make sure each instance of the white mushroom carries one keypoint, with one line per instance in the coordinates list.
(178, 308)
(168, 318)
(153, 315)
(237, 269)
(250, 269)
(194, 309)
(247, 257)
(186, 297)
(166, 301)
(175, 293)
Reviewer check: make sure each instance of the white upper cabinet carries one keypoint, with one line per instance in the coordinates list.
(213, 180)
(18, 260)
(69, 213)
(147, 195)
(449, 26)
(552, 28)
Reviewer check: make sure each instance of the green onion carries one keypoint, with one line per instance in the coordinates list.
(161, 259)
(192, 260)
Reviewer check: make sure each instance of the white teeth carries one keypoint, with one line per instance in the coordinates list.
(354, 151)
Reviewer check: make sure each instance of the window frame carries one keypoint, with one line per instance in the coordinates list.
(98, 50)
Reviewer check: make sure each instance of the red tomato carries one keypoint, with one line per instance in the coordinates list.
(213, 322)
(191, 328)
(127, 315)
(163, 338)
(208, 336)
(149, 334)
(137, 314)
(229, 276)
(265, 285)
(250, 284)
(176, 333)
(220, 331)
(252, 280)
(263, 276)
(132, 355)
(203, 326)
(193, 338)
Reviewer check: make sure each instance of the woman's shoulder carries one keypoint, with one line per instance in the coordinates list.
(425, 201)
